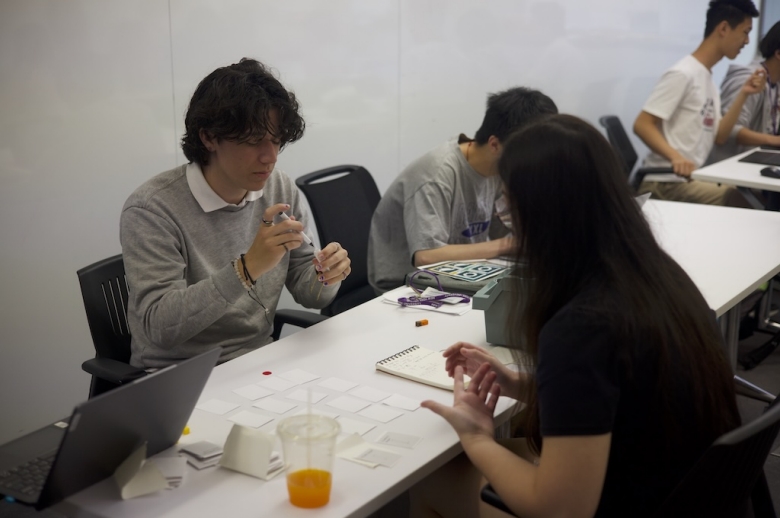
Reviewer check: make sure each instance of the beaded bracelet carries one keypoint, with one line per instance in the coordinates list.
(243, 281)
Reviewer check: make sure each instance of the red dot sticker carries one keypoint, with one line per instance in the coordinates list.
(267, 373)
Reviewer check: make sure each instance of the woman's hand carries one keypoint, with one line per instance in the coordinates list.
(471, 358)
(471, 415)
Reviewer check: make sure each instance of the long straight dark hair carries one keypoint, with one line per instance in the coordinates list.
(578, 225)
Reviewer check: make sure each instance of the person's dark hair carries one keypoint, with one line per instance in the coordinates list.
(770, 43)
(579, 227)
(234, 103)
(510, 110)
(732, 11)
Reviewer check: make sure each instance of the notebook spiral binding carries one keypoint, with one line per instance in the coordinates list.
(398, 355)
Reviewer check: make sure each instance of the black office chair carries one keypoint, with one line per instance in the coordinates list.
(625, 150)
(723, 480)
(104, 290)
(342, 201)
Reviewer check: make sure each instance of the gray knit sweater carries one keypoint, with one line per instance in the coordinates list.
(184, 295)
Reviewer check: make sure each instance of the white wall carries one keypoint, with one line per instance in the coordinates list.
(93, 93)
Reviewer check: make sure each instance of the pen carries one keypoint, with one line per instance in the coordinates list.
(305, 236)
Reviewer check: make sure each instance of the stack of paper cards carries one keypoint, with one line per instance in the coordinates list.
(202, 454)
(355, 449)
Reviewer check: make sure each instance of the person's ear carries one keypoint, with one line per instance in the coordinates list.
(207, 140)
(723, 28)
(494, 144)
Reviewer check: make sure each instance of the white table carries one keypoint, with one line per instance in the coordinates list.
(743, 175)
(346, 346)
(727, 252)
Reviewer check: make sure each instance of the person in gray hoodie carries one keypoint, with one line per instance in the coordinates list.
(758, 123)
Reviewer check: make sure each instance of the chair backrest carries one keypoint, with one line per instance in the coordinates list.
(104, 290)
(342, 200)
(620, 142)
(722, 480)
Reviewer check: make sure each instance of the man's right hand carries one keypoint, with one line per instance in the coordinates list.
(682, 166)
(273, 241)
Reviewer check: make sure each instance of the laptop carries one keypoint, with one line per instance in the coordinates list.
(50, 464)
(762, 157)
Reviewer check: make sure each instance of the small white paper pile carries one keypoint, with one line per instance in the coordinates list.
(202, 455)
(354, 448)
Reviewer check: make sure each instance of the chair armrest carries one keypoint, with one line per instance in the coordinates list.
(112, 370)
(295, 317)
(491, 497)
(639, 174)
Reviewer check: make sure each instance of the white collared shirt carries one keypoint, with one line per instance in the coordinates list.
(209, 200)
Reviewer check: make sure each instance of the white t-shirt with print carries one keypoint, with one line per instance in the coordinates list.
(688, 102)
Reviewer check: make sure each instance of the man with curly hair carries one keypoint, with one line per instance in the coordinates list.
(206, 247)
(681, 121)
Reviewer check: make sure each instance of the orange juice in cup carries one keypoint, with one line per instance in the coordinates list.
(309, 487)
(309, 443)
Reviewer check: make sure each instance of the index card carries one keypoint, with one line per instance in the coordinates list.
(337, 384)
(380, 413)
(317, 411)
(246, 418)
(216, 406)
(277, 384)
(306, 396)
(381, 457)
(350, 426)
(400, 440)
(252, 392)
(274, 405)
(371, 394)
(299, 376)
(402, 402)
(347, 403)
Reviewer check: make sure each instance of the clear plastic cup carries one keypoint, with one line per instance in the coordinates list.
(309, 444)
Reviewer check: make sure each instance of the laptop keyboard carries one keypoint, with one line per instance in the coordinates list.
(27, 478)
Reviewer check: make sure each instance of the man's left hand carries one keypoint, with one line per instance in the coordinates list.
(333, 264)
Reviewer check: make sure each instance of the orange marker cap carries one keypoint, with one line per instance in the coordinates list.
(421, 323)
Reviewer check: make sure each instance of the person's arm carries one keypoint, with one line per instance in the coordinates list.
(754, 84)
(484, 250)
(748, 137)
(648, 128)
(427, 221)
(171, 312)
(569, 478)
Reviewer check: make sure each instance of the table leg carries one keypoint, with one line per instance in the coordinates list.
(751, 198)
(729, 326)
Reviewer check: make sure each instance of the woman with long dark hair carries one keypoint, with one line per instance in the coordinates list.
(628, 381)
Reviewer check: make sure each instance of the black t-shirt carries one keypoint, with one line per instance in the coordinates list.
(586, 387)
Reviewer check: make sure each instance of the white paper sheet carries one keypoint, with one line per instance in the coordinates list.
(380, 413)
(216, 406)
(348, 404)
(350, 426)
(252, 392)
(337, 384)
(306, 396)
(299, 376)
(370, 394)
(278, 384)
(402, 402)
(274, 405)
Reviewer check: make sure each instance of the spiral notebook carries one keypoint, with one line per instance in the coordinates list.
(421, 365)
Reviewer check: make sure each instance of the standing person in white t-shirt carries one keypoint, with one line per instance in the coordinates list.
(681, 121)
